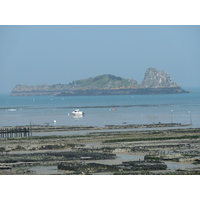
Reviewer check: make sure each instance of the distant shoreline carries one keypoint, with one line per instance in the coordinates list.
(98, 92)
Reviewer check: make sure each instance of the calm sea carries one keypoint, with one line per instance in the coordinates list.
(130, 109)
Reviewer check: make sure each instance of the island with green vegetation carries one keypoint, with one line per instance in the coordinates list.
(154, 82)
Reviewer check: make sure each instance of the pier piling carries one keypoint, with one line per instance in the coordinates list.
(14, 132)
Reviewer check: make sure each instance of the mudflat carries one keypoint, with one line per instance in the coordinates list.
(119, 151)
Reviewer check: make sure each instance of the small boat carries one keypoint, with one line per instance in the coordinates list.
(12, 109)
(78, 112)
(77, 116)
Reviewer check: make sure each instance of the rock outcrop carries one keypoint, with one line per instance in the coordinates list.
(155, 82)
(154, 78)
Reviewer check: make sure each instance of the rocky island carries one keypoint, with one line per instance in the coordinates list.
(154, 82)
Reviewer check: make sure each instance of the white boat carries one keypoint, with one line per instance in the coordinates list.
(12, 109)
(78, 112)
(77, 116)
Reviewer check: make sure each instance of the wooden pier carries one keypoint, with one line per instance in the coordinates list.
(15, 132)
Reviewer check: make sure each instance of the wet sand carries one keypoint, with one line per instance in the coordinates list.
(47, 128)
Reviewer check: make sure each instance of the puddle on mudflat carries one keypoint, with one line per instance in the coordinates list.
(120, 157)
(123, 156)
(39, 170)
(179, 165)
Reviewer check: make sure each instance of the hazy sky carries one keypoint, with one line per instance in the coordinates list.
(35, 55)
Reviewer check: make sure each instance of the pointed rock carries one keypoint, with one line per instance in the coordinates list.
(154, 78)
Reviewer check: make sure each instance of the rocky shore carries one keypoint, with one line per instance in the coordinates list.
(116, 152)
(154, 82)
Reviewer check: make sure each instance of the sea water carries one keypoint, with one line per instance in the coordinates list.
(129, 109)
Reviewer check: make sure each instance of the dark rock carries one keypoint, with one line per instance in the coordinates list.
(125, 166)
(87, 167)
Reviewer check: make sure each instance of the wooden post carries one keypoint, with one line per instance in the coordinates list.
(24, 131)
(30, 129)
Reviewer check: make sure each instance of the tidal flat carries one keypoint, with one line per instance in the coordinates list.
(114, 150)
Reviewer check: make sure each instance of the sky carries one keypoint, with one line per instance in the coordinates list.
(60, 54)
(54, 54)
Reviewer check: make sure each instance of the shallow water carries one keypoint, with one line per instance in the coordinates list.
(82, 132)
(137, 109)
(40, 170)
(179, 165)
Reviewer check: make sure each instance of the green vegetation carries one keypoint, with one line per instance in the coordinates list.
(106, 81)
(148, 139)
